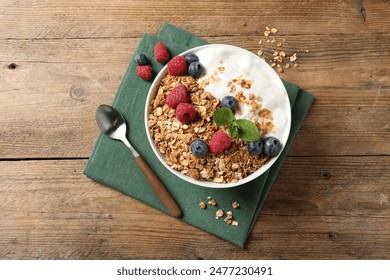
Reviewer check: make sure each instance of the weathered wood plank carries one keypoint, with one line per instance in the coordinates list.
(50, 210)
(332, 65)
(65, 80)
(334, 186)
(273, 238)
(76, 19)
(340, 51)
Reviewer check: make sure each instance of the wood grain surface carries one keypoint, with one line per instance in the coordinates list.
(60, 59)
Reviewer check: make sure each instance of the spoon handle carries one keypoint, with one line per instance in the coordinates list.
(159, 188)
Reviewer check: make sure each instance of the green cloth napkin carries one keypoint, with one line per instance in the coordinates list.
(113, 165)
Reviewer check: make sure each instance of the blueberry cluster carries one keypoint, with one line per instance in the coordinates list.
(271, 146)
(195, 68)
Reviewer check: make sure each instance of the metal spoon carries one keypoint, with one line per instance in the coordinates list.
(113, 124)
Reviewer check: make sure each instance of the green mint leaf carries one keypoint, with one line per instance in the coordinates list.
(223, 116)
(248, 131)
(233, 129)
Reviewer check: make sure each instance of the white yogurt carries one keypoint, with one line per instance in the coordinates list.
(266, 83)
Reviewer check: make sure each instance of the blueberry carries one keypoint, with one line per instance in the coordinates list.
(272, 146)
(255, 148)
(229, 102)
(195, 69)
(199, 148)
(141, 59)
(191, 58)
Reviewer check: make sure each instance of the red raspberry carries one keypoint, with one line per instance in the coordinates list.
(177, 66)
(219, 142)
(185, 112)
(161, 53)
(144, 71)
(176, 96)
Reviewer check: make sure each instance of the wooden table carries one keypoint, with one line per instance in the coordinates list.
(61, 59)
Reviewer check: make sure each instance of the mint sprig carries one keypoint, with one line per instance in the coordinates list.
(244, 129)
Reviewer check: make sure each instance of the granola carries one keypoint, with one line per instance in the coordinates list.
(202, 205)
(173, 139)
(212, 202)
(235, 204)
(220, 213)
(278, 57)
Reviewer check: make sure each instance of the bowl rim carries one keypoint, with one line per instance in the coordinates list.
(151, 94)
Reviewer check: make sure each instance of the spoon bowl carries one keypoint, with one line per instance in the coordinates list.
(110, 121)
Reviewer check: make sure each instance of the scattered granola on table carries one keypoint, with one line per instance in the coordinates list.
(274, 54)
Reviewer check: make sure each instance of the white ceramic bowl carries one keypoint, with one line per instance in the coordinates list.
(267, 85)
